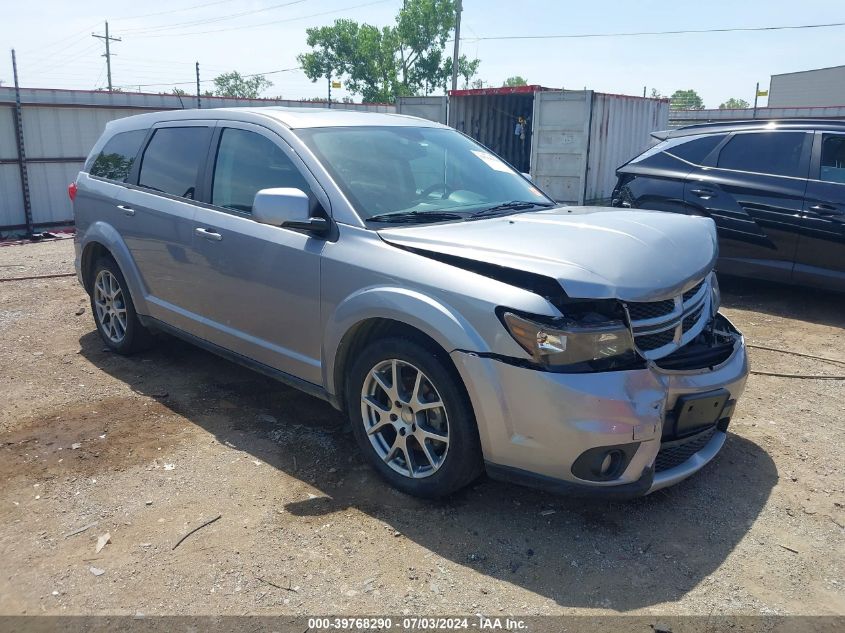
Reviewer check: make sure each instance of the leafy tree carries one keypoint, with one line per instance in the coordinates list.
(656, 94)
(179, 92)
(686, 100)
(234, 84)
(382, 63)
(733, 104)
(514, 81)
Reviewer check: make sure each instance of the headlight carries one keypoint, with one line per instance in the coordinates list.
(715, 294)
(560, 342)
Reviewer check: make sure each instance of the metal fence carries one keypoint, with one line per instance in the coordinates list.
(58, 129)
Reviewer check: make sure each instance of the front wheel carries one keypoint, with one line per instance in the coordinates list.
(412, 418)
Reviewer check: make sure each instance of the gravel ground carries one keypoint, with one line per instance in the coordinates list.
(148, 448)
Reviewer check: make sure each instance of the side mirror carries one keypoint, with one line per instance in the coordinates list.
(288, 208)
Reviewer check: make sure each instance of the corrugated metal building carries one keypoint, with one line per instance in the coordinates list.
(809, 88)
(59, 129)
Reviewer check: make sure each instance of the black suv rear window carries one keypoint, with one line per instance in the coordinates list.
(775, 153)
(115, 160)
(697, 149)
(172, 160)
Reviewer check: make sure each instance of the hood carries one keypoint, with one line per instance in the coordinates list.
(593, 252)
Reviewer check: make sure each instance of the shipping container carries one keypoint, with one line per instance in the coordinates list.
(570, 141)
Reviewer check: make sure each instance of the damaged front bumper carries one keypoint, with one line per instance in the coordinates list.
(615, 433)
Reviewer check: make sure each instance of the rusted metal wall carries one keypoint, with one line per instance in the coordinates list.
(620, 128)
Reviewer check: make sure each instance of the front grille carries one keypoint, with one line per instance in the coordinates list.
(650, 310)
(677, 452)
(661, 327)
(689, 294)
(692, 319)
(648, 342)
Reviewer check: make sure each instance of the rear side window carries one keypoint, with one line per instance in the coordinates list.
(172, 160)
(833, 158)
(696, 150)
(115, 160)
(776, 153)
(247, 163)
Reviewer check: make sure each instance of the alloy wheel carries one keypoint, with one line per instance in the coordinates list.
(110, 306)
(405, 418)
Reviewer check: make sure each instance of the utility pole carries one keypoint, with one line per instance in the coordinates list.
(108, 51)
(456, 54)
(756, 94)
(330, 90)
(199, 103)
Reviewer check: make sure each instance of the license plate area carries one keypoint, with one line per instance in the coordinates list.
(694, 412)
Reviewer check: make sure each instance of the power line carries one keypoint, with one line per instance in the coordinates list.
(182, 83)
(643, 33)
(196, 6)
(231, 16)
(270, 23)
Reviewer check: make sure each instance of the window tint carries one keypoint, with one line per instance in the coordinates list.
(777, 153)
(115, 160)
(696, 149)
(173, 159)
(246, 163)
(833, 158)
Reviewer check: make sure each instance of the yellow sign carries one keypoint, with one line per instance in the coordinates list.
(336, 84)
(762, 93)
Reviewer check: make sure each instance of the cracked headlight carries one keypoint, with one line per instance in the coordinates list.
(561, 342)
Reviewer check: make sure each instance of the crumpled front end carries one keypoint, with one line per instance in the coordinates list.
(618, 433)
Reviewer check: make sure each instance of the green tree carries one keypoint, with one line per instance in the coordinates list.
(686, 100)
(234, 84)
(514, 81)
(656, 94)
(179, 92)
(382, 63)
(733, 104)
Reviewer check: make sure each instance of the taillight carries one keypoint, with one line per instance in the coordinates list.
(71, 191)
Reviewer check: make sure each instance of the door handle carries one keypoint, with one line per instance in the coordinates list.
(126, 210)
(825, 209)
(704, 194)
(209, 234)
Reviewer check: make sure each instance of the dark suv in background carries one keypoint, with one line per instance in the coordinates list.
(776, 190)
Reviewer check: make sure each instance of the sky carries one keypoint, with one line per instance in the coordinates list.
(162, 39)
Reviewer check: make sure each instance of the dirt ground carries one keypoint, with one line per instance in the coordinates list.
(152, 446)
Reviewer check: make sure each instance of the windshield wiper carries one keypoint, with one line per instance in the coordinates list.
(414, 216)
(513, 205)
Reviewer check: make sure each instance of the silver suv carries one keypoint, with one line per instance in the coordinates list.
(460, 318)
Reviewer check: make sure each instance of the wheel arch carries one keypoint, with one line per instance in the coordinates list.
(382, 312)
(100, 240)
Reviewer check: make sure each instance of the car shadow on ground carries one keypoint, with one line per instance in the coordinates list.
(579, 553)
(790, 302)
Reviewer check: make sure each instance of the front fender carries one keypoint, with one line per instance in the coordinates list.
(107, 236)
(434, 318)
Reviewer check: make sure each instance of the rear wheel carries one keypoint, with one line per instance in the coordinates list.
(412, 418)
(114, 312)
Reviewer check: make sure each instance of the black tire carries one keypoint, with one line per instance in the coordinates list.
(135, 337)
(462, 460)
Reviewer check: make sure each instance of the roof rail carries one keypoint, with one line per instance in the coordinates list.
(687, 130)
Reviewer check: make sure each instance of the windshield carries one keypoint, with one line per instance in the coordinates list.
(433, 174)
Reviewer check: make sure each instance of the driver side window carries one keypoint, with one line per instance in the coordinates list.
(246, 163)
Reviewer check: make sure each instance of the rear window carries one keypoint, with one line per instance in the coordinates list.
(690, 149)
(775, 153)
(115, 160)
(172, 160)
(833, 158)
(697, 149)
